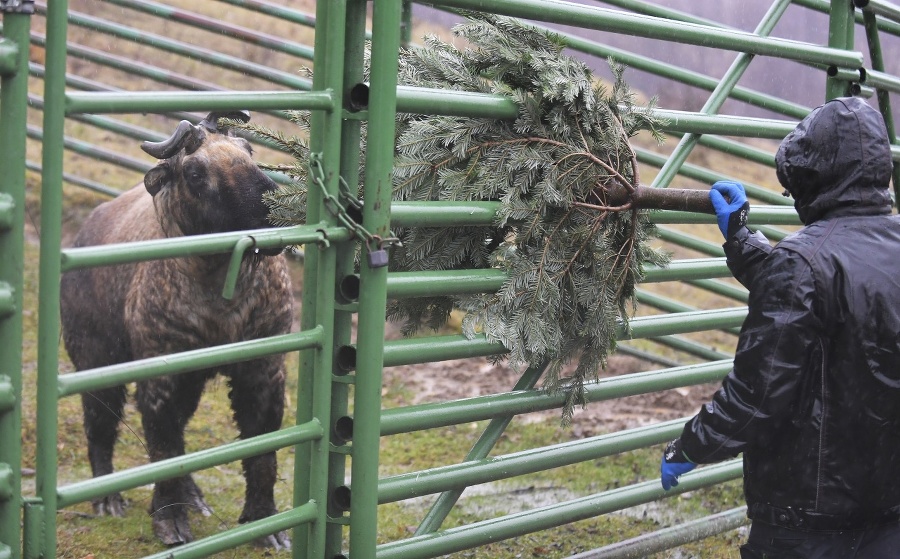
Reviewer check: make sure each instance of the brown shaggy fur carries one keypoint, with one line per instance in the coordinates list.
(117, 314)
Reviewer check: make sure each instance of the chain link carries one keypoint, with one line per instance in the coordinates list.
(336, 208)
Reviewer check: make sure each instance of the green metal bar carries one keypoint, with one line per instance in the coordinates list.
(484, 470)
(243, 534)
(884, 99)
(166, 101)
(442, 414)
(697, 349)
(739, 294)
(882, 81)
(192, 360)
(883, 9)
(183, 49)
(542, 518)
(195, 245)
(193, 19)
(326, 143)
(669, 305)
(275, 10)
(386, 19)
(463, 103)
(689, 77)
(601, 19)
(90, 150)
(338, 468)
(754, 192)
(824, 6)
(840, 36)
(681, 270)
(13, 121)
(483, 446)
(439, 348)
(307, 377)
(182, 465)
(690, 242)
(646, 545)
(48, 306)
(719, 95)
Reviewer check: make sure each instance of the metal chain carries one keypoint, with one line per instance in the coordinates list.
(334, 206)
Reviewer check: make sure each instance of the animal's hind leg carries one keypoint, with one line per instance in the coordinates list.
(257, 398)
(166, 405)
(102, 415)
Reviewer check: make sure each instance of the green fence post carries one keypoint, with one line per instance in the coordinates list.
(840, 35)
(315, 383)
(373, 289)
(13, 111)
(48, 309)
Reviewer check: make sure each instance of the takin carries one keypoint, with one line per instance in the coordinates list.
(205, 182)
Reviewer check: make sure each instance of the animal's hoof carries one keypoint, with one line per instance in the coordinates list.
(111, 505)
(172, 531)
(278, 542)
(194, 498)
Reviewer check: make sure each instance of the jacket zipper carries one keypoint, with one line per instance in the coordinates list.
(821, 425)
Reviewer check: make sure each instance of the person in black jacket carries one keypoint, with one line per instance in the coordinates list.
(813, 399)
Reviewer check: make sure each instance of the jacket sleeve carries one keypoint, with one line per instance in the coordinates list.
(744, 254)
(777, 339)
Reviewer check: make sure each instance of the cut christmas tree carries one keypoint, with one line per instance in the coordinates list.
(571, 232)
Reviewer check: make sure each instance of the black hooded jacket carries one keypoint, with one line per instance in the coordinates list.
(813, 400)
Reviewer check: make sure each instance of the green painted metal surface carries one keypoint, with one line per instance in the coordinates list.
(339, 420)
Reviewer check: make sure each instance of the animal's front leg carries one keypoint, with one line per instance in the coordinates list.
(166, 405)
(102, 415)
(257, 397)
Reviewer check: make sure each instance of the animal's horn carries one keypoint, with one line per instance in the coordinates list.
(168, 148)
(212, 119)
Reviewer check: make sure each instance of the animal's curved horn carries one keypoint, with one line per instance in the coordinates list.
(168, 148)
(212, 119)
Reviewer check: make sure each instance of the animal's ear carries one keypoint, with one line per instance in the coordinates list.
(157, 177)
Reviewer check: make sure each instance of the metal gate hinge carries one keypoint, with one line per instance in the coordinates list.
(17, 6)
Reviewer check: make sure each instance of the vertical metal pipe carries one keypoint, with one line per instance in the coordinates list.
(718, 97)
(306, 369)
(328, 152)
(355, 41)
(48, 308)
(840, 35)
(373, 281)
(884, 97)
(13, 122)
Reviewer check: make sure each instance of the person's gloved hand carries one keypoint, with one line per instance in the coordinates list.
(674, 465)
(730, 202)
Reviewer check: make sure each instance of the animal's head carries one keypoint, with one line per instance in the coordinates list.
(206, 180)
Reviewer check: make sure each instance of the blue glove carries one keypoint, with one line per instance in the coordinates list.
(731, 205)
(674, 465)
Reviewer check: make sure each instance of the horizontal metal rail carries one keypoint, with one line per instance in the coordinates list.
(603, 19)
(7, 394)
(124, 253)
(670, 537)
(7, 211)
(441, 348)
(199, 21)
(243, 534)
(183, 465)
(166, 101)
(7, 300)
(184, 49)
(445, 214)
(466, 474)
(8, 53)
(450, 282)
(542, 518)
(186, 361)
(275, 10)
(442, 414)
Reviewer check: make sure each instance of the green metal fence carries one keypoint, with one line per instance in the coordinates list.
(340, 419)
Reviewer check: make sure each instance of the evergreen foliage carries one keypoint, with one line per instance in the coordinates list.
(569, 239)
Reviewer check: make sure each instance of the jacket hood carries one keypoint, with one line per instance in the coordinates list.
(839, 156)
